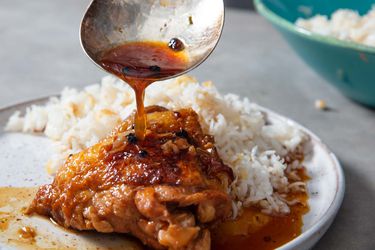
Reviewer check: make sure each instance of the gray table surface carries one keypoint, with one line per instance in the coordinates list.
(40, 54)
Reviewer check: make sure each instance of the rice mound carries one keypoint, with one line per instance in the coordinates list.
(344, 24)
(254, 149)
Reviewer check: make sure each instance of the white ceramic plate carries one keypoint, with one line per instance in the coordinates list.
(23, 157)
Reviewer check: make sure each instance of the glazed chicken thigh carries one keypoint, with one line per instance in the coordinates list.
(168, 190)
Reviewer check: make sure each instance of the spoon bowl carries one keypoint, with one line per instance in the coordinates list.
(197, 23)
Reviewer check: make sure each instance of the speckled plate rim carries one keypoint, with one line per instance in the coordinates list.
(311, 236)
(280, 21)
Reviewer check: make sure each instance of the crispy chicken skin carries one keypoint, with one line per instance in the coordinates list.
(166, 190)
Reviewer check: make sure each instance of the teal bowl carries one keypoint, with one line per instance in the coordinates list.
(347, 65)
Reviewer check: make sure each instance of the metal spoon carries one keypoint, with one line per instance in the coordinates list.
(110, 23)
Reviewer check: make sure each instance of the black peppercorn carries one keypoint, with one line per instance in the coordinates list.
(176, 44)
(182, 133)
(126, 70)
(143, 153)
(132, 138)
(155, 68)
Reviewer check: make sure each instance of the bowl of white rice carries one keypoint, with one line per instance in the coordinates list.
(335, 38)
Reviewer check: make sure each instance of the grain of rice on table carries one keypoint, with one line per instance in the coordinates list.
(254, 149)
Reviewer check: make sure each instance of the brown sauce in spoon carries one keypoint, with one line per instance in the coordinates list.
(140, 64)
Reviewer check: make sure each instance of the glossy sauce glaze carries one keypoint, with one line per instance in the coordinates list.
(142, 63)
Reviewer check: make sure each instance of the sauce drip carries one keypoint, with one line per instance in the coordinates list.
(27, 232)
(140, 64)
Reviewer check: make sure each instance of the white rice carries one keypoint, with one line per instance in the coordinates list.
(344, 24)
(250, 146)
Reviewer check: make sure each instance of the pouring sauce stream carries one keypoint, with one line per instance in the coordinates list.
(141, 63)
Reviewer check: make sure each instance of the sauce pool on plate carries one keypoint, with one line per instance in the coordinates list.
(260, 231)
(20, 231)
(252, 229)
